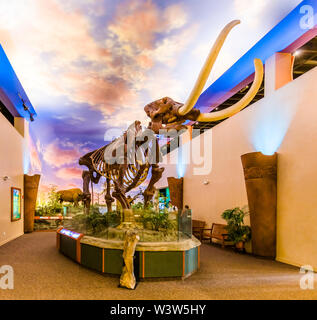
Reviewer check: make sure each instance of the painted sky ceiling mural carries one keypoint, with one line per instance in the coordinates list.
(91, 65)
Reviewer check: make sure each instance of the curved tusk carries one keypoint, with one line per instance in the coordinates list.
(226, 113)
(205, 71)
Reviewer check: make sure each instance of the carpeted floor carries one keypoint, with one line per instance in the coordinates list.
(41, 272)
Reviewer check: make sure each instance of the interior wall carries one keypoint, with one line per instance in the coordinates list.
(284, 121)
(11, 165)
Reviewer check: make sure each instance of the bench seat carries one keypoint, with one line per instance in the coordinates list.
(218, 231)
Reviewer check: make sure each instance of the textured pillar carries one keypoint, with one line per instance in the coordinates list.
(260, 174)
(176, 191)
(31, 184)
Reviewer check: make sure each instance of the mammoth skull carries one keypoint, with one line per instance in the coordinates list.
(169, 114)
(164, 115)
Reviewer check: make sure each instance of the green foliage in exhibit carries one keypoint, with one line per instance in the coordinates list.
(151, 223)
(52, 206)
(158, 221)
(95, 222)
(152, 219)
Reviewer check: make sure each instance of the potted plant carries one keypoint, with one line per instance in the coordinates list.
(238, 233)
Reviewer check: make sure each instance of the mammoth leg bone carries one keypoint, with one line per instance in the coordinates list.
(122, 199)
(108, 197)
(120, 195)
(86, 192)
(150, 190)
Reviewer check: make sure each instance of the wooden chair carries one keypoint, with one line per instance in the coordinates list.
(197, 226)
(218, 231)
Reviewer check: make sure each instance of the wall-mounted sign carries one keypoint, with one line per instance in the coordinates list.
(16, 203)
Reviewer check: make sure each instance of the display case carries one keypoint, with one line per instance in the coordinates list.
(166, 247)
(151, 225)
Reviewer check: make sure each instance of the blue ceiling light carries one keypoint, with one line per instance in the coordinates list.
(12, 91)
(181, 169)
(183, 158)
(270, 125)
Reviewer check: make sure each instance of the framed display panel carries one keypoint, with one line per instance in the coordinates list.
(16, 204)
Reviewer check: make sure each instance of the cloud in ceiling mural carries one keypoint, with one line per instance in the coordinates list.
(91, 65)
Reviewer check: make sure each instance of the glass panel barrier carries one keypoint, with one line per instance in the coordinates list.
(152, 225)
(185, 224)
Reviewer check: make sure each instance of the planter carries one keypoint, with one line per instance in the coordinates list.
(240, 246)
(176, 187)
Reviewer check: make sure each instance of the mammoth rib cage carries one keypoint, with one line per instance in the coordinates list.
(108, 171)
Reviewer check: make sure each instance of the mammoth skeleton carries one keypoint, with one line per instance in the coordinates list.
(165, 114)
(126, 163)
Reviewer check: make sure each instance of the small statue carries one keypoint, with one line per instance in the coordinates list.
(127, 279)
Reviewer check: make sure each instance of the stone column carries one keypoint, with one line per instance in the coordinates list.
(260, 174)
(31, 184)
(176, 191)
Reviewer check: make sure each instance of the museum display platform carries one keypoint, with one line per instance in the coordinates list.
(177, 259)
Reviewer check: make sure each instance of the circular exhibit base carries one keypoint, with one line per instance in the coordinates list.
(156, 260)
